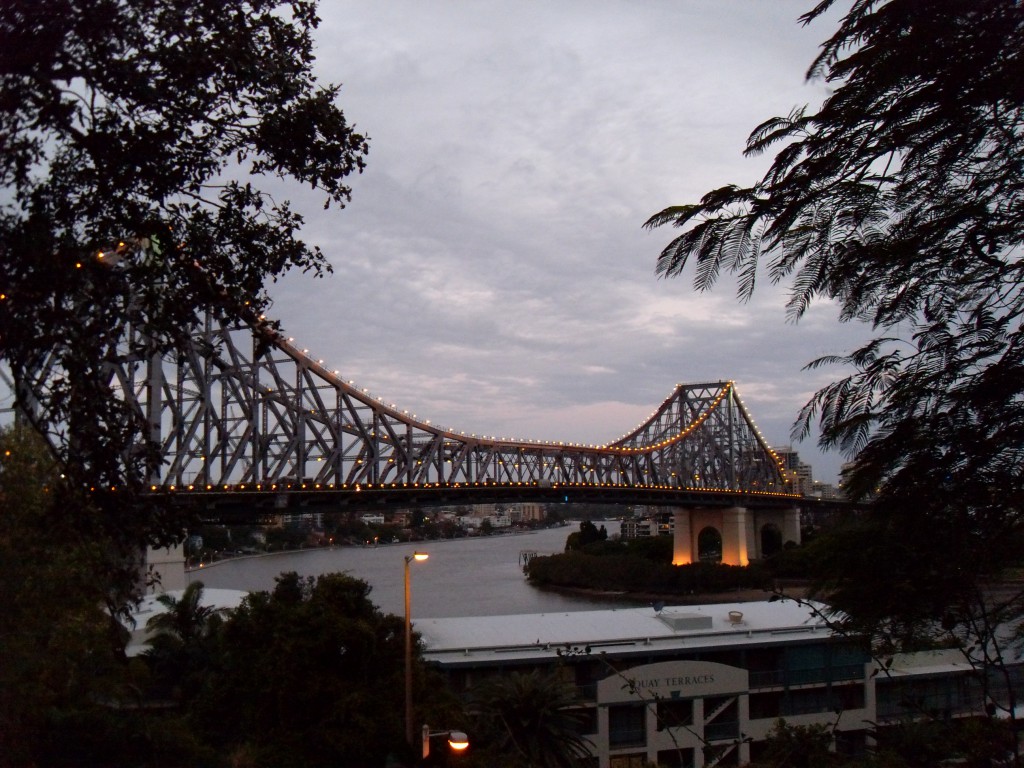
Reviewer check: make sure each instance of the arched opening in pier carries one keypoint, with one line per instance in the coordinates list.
(709, 545)
(771, 540)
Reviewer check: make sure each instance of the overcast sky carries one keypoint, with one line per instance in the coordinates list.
(491, 272)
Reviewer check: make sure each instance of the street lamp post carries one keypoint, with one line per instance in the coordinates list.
(410, 730)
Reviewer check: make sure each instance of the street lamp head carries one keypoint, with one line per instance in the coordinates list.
(420, 556)
(458, 740)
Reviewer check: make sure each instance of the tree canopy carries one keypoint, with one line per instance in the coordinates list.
(59, 646)
(900, 200)
(310, 674)
(528, 719)
(140, 145)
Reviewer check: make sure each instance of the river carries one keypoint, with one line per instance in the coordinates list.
(479, 576)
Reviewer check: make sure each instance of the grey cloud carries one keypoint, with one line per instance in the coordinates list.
(491, 272)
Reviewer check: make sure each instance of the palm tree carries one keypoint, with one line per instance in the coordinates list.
(186, 620)
(531, 716)
(179, 648)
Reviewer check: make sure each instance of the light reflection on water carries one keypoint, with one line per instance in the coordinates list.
(463, 577)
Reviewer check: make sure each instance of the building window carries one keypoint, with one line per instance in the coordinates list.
(674, 714)
(627, 725)
(586, 676)
(848, 662)
(766, 705)
(846, 697)
(675, 758)
(766, 667)
(806, 664)
(937, 697)
(808, 701)
(628, 761)
(586, 718)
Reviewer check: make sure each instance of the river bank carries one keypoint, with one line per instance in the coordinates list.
(226, 558)
(793, 590)
(472, 576)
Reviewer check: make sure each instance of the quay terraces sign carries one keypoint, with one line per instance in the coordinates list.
(672, 680)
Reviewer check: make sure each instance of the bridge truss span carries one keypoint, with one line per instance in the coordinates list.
(244, 410)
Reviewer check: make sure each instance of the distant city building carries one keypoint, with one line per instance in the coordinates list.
(825, 491)
(799, 476)
(659, 524)
(372, 518)
(635, 528)
(843, 470)
(504, 515)
(526, 512)
(533, 513)
(480, 511)
(307, 519)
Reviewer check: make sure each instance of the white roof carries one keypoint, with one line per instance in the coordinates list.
(492, 639)
(943, 661)
(223, 599)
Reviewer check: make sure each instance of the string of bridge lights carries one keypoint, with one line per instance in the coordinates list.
(614, 446)
(302, 357)
(244, 488)
(334, 378)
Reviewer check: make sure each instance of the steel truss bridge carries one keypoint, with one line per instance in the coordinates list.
(245, 420)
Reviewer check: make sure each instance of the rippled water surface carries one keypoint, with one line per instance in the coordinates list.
(463, 577)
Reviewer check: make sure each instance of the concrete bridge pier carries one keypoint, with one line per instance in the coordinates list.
(734, 526)
(684, 545)
(738, 544)
(737, 531)
(791, 525)
(742, 534)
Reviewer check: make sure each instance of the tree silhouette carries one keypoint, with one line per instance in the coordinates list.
(61, 648)
(899, 199)
(183, 644)
(308, 675)
(134, 142)
(186, 619)
(528, 719)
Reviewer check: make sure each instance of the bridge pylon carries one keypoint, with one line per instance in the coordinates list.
(731, 535)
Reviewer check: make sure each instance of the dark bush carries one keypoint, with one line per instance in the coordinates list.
(630, 573)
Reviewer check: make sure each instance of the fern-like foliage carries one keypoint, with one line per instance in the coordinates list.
(901, 200)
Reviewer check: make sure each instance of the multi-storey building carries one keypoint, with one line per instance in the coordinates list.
(797, 473)
(532, 512)
(703, 686)
(659, 524)
(827, 491)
